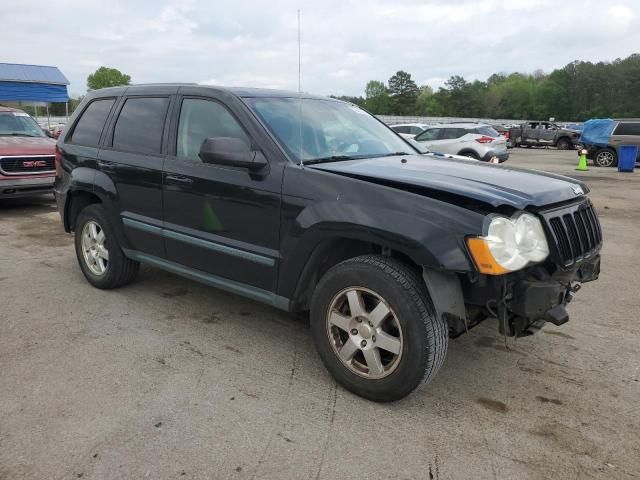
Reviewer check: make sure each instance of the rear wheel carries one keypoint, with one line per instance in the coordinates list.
(101, 259)
(375, 329)
(605, 158)
(563, 144)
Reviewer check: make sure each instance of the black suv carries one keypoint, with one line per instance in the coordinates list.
(311, 204)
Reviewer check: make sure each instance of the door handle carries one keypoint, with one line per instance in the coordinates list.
(179, 179)
(105, 165)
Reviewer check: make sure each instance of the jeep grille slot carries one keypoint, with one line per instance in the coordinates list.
(575, 232)
(27, 165)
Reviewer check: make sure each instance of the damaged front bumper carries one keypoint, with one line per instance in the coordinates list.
(523, 301)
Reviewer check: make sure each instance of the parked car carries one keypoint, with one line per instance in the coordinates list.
(602, 138)
(409, 130)
(390, 251)
(473, 140)
(504, 131)
(27, 156)
(544, 134)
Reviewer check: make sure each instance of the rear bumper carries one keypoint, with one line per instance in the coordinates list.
(25, 187)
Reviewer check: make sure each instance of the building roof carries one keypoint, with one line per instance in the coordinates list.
(14, 72)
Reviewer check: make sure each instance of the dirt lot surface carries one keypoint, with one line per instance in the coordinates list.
(167, 378)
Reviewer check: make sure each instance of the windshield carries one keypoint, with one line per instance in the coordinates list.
(19, 124)
(329, 130)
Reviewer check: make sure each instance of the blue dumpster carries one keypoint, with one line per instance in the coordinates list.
(627, 155)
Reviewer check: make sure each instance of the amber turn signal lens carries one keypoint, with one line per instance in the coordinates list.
(483, 258)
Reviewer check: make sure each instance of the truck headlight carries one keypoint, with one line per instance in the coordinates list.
(510, 244)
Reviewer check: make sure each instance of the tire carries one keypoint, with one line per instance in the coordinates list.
(118, 270)
(563, 144)
(472, 155)
(421, 337)
(605, 157)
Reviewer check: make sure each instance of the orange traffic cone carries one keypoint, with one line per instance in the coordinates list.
(582, 163)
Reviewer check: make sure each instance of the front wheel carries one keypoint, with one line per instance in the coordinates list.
(375, 328)
(101, 259)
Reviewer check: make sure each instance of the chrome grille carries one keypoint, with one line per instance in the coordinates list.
(575, 232)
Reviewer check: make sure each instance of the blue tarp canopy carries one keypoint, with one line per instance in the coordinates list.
(597, 131)
(32, 83)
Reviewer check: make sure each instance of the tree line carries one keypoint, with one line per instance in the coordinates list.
(575, 92)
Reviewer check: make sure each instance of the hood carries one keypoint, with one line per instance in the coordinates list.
(14, 146)
(493, 184)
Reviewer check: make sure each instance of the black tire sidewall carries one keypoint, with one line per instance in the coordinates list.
(417, 347)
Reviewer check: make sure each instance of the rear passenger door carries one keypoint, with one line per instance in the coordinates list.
(220, 220)
(451, 140)
(132, 157)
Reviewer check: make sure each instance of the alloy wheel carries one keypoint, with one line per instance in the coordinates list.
(364, 332)
(605, 158)
(94, 251)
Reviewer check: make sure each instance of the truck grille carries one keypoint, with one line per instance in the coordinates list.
(575, 231)
(27, 165)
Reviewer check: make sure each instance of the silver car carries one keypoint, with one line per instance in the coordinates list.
(473, 140)
(409, 130)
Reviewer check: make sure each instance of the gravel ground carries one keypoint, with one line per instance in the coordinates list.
(167, 378)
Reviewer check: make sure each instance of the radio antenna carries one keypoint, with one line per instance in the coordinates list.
(299, 90)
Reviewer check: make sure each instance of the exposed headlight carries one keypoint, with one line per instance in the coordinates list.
(510, 244)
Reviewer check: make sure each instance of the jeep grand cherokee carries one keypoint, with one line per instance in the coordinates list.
(311, 204)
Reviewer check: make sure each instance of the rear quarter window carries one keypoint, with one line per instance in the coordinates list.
(627, 128)
(488, 131)
(91, 123)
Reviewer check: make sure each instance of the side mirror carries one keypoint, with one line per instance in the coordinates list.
(232, 152)
(48, 133)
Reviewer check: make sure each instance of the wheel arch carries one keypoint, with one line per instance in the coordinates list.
(334, 250)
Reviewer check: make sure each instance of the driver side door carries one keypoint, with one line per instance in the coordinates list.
(220, 220)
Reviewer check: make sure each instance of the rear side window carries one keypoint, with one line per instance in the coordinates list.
(488, 131)
(452, 133)
(140, 124)
(201, 119)
(89, 127)
(431, 134)
(625, 128)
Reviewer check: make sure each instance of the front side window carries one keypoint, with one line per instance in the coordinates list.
(19, 124)
(318, 129)
(201, 119)
(415, 130)
(401, 129)
(431, 134)
(140, 124)
(89, 127)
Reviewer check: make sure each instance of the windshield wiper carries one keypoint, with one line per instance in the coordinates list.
(341, 158)
(332, 158)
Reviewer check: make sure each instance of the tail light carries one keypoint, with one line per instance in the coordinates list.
(58, 161)
(507, 134)
(485, 139)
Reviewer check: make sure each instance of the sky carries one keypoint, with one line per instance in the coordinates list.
(344, 43)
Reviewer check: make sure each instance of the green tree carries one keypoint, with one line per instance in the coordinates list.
(424, 100)
(403, 91)
(107, 77)
(377, 98)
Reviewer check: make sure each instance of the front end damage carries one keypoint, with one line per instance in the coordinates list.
(524, 300)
